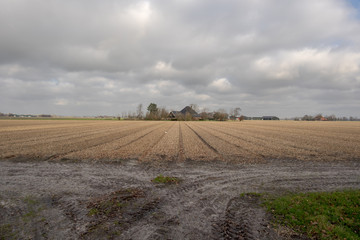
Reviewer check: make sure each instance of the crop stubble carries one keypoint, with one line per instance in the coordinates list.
(247, 141)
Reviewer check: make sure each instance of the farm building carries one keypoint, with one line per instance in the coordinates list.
(186, 111)
(174, 114)
(270, 118)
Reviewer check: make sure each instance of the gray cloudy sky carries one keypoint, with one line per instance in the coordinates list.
(94, 57)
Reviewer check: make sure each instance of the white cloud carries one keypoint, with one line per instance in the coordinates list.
(221, 85)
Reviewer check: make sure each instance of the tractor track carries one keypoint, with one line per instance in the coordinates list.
(207, 203)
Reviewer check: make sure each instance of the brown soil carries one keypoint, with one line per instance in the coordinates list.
(148, 141)
(79, 200)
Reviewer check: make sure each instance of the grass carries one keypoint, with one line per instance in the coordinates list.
(166, 179)
(112, 204)
(6, 232)
(332, 215)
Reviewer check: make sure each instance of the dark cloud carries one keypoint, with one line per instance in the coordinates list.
(277, 57)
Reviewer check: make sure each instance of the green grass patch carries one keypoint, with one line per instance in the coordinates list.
(329, 215)
(166, 179)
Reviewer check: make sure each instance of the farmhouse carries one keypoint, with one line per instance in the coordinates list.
(186, 111)
(174, 114)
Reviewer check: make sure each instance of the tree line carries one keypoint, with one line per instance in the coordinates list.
(153, 112)
(321, 117)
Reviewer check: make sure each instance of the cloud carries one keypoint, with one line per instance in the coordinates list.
(97, 57)
(221, 85)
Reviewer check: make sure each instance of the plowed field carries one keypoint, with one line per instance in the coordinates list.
(249, 141)
(59, 179)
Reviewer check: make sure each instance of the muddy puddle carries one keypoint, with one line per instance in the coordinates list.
(55, 200)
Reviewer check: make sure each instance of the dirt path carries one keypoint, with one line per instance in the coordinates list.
(53, 200)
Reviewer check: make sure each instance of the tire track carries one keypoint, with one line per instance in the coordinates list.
(207, 204)
(243, 219)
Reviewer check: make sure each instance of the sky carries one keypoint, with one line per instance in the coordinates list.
(93, 57)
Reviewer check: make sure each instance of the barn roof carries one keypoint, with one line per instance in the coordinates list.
(188, 109)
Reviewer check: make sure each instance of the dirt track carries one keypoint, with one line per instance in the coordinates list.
(50, 200)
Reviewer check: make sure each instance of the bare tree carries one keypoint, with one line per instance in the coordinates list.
(139, 111)
(221, 115)
(163, 113)
(332, 117)
(204, 114)
(237, 111)
(194, 107)
(234, 113)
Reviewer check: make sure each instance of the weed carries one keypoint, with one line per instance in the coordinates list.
(33, 208)
(251, 194)
(30, 200)
(93, 211)
(166, 179)
(112, 204)
(334, 215)
(6, 232)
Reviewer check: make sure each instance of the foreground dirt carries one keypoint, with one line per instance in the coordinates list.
(67, 200)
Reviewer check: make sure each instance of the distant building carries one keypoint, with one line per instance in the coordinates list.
(174, 114)
(181, 115)
(270, 118)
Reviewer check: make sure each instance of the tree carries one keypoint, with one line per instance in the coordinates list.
(163, 113)
(221, 115)
(236, 112)
(307, 118)
(318, 117)
(204, 115)
(152, 112)
(152, 108)
(139, 111)
(332, 117)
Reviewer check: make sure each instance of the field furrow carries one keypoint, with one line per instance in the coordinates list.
(195, 148)
(168, 148)
(248, 141)
(109, 149)
(225, 145)
(78, 141)
(54, 135)
(295, 145)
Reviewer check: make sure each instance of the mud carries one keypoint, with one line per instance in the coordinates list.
(69, 200)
